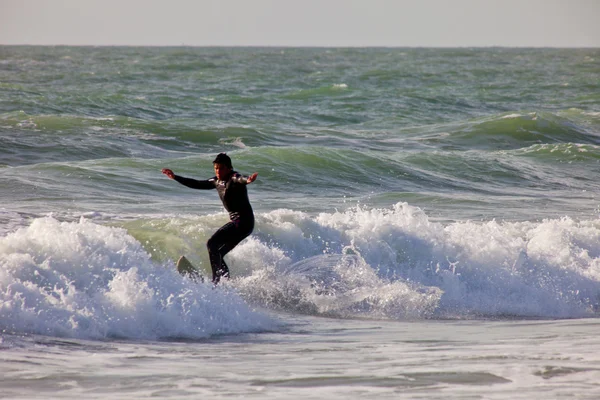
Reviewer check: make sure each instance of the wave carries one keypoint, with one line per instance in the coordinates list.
(561, 152)
(396, 263)
(86, 280)
(57, 137)
(339, 176)
(345, 171)
(516, 130)
(60, 137)
(83, 280)
(69, 124)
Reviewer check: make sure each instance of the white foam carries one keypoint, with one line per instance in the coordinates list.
(403, 260)
(528, 116)
(237, 142)
(87, 280)
(80, 279)
(510, 116)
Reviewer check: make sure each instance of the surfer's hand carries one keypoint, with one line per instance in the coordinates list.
(168, 173)
(252, 177)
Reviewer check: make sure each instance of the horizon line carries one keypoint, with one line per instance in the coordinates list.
(307, 46)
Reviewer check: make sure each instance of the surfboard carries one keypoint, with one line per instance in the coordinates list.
(185, 268)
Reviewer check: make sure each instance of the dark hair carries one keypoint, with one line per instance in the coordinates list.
(223, 159)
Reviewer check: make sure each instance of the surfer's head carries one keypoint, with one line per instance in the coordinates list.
(223, 159)
(223, 167)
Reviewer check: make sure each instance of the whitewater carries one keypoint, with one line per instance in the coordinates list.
(426, 223)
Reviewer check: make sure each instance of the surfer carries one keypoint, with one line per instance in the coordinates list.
(231, 187)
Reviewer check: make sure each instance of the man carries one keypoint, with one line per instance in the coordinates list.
(231, 187)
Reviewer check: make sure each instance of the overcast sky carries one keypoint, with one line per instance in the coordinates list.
(430, 23)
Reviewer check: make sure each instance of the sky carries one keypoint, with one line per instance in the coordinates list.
(328, 23)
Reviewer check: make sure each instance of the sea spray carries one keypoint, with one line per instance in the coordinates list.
(544, 269)
(84, 280)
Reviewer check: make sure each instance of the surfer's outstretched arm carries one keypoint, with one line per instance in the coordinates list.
(189, 182)
(237, 178)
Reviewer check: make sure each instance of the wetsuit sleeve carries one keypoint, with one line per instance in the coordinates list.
(238, 178)
(195, 184)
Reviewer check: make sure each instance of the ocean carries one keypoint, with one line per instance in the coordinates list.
(427, 223)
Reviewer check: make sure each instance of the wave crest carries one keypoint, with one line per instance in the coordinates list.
(84, 280)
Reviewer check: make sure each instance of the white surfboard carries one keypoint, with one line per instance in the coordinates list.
(185, 268)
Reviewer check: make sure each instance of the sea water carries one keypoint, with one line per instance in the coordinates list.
(426, 223)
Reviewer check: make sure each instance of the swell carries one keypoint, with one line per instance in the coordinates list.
(518, 130)
(28, 139)
(311, 170)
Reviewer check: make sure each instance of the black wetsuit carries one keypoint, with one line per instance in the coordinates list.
(234, 195)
